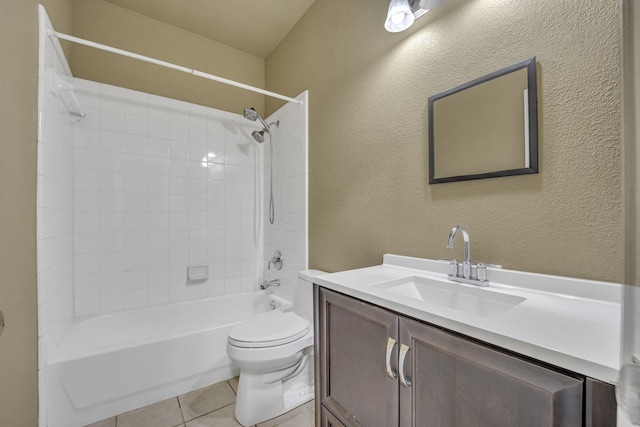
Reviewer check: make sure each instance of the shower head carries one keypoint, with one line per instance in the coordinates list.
(252, 114)
(258, 135)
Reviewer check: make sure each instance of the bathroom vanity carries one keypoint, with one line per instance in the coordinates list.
(400, 345)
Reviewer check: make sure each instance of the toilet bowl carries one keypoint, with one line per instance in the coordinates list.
(274, 352)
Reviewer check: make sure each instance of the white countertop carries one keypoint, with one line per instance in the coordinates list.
(571, 323)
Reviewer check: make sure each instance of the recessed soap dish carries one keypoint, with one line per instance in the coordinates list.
(198, 272)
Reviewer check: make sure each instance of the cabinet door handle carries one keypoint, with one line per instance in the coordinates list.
(405, 381)
(391, 343)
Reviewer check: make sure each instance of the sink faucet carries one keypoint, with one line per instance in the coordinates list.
(470, 274)
(466, 264)
(267, 284)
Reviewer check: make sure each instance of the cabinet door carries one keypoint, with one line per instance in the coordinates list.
(456, 382)
(353, 353)
(600, 404)
(329, 420)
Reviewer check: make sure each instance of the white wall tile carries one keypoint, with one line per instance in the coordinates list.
(136, 102)
(179, 131)
(86, 138)
(87, 284)
(112, 121)
(175, 187)
(135, 298)
(135, 144)
(158, 295)
(87, 305)
(112, 201)
(111, 281)
(135, 240)
(135, 260)
(178, 293)
(158, 184)
(158, 128)
(158, 147)
(107, 161)
(198, 135)
(86, 242)
(112, 141)
(159, 107)
(158, 277)
(111, 302)
(135, 279)
(112, 98)
(136, 125)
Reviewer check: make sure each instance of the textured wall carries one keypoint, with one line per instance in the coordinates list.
(368, 89)
(108, 24)
(18, 133)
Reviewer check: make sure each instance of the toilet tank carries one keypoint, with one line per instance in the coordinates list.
(303, 297)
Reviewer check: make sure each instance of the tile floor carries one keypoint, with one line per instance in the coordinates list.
(211, 406)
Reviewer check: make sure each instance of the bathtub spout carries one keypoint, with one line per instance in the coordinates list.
(267, 284)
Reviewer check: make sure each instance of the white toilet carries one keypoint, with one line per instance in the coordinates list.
(274, 352)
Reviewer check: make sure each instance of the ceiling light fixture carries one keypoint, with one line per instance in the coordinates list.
(400, 17)
(403, 13)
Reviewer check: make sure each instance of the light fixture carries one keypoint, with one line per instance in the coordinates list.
(431, 4)
(403, 13)
(400, 17)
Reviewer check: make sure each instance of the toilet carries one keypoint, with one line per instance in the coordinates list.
(274, 352)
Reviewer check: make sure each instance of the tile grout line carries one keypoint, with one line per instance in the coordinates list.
(181, 413)
(232, 389)
(210, 412)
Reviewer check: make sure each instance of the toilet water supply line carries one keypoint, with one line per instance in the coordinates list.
(171, 66)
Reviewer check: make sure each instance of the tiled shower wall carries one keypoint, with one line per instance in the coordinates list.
(289, 231)
(159, 185)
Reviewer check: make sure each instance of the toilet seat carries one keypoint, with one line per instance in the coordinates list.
(269, 331)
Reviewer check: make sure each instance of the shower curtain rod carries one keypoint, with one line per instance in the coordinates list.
(172, 66)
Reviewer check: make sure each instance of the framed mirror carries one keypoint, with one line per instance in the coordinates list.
(485, 128)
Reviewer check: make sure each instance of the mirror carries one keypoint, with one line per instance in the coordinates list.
(485, 128)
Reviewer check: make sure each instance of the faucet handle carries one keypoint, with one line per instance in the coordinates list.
(481, 270)
(484, 264)
(453, 267)
(277, 261)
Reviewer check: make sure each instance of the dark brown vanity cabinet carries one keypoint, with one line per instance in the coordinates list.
(378, 368)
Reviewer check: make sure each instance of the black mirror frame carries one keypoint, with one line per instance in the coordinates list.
(530, 65)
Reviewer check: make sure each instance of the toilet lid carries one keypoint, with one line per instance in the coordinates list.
(268, 331)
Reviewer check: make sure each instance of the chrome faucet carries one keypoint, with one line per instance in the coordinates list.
(267, 284)
(466, 264)
(467, 274)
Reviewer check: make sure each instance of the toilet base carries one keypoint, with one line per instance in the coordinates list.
(258, 401)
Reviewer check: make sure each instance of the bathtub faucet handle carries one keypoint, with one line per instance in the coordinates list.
(277, 261)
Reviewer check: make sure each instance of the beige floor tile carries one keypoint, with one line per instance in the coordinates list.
(165, 413)
(221, 418)
(233, 382)
(305, 419)
(301, 410)
(109, 422)
(311, 405)
(207, 399)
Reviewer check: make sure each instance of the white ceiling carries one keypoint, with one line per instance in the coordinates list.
(252, 26)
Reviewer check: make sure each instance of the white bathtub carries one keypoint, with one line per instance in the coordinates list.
(106, 365)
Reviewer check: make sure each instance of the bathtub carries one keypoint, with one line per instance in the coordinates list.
(106, 365)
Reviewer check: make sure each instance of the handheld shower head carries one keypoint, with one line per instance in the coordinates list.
(252, 114)
(258, 135)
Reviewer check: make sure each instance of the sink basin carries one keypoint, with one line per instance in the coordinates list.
(466, 298)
